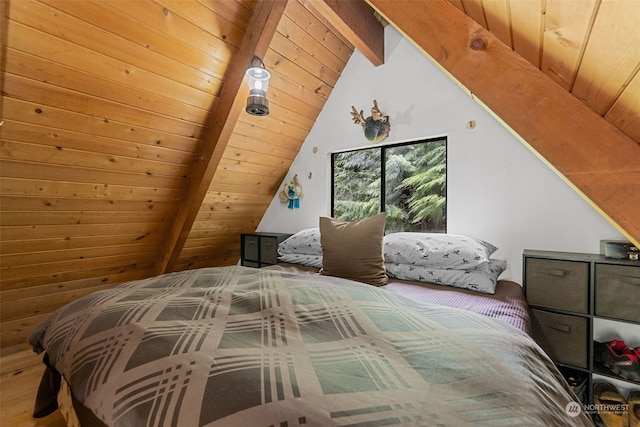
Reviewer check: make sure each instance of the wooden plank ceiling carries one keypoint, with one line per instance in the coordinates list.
(591, 48)
(125, 151)
(110, 111)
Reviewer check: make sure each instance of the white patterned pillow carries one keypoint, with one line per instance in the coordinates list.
(305, 242)
(310, 260)
(482, 279)
(436, 250)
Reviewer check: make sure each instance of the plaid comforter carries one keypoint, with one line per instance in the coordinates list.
(235, 346)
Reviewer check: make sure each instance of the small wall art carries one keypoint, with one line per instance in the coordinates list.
(291, 193)
(376, 127)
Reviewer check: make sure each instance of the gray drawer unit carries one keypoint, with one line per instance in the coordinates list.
(569, 293)
(269, 250)
(563, 285)
(250, 247)
(617, 292)
(260, 249)
(562, 336)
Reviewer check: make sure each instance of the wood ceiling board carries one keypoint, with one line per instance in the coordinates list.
(58, 204)
(47, 172)
(61, 51)
(210, 217)
(220, 25)
(566, 30)
(51, 95)
(37, 219)
(258, 36)
(67, 232)
(281, 151)
(63, 275)
(106, 31)
(570, 136)
(611, 58)
(44, 302)
(242, 180)
(497, 13)
(266, 136)
(475, 10)
(252, 168)
(274, 125)
(235, 11)
(35, 259)
(318, 29)
(291, 31)
(458, 4)
(106, 276)
(27, 65)
(298, 83)
(303, 59)
(71, 158)
(527, 19)
(286, 116)
(259, 186)
(57, 118)
(240, 156)
(36, 134)
(34, 187)
(57, 271)
(356, 22)
(625, 112)
(75, 242)
(213, 239)
(226, 254)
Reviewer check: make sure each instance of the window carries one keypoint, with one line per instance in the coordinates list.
(407, 180)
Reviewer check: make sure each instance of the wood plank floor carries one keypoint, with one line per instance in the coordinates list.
(20, 371)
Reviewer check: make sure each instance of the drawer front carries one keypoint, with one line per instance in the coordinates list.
(563, 285)
(617, 292)
(563, 337)
(250, 248)
(269, 250)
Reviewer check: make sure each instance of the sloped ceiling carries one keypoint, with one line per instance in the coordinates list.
(591, 48)
(126, 152)
(577, 107)
(125, 148)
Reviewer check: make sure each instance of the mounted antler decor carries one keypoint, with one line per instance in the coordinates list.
(292, 193)
(376, 127)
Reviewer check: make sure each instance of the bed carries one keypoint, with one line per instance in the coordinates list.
(507, 304)
(287, 346)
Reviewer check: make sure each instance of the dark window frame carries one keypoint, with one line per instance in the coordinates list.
(383, 158)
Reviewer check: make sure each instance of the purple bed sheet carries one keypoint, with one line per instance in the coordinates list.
(508, 304)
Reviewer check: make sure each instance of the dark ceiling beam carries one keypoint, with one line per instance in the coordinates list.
(221, 122)
(589, 153)
(355, 20)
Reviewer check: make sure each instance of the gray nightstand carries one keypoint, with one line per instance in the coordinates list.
(260, 249)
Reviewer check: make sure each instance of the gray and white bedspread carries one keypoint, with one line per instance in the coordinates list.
(507, 304)
(236, 346)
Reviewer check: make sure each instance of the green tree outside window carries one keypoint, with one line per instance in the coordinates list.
(408, 179)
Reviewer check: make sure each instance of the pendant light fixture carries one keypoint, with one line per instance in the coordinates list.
(258, 80)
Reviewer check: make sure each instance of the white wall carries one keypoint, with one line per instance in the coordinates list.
(498, 190)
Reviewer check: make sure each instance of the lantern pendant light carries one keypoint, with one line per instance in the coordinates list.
(258, 81)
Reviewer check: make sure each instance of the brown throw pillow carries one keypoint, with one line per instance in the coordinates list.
(354, 250)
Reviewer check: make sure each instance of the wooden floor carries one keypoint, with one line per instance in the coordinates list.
(20, 371)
